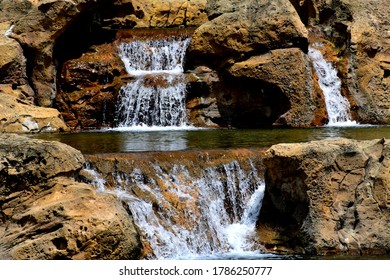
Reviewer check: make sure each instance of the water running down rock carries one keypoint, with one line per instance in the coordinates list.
(337, 106)
(201, 210)
(157, 95)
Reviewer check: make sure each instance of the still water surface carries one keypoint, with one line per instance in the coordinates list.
(109, 141)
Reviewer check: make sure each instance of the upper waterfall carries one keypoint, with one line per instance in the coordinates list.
(156, 97)
(337, 106)
(154, 56)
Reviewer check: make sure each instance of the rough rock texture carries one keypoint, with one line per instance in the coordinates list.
(242, 42)
(360, 33)
(155, 14)
(253, 26)
(17, 115)
(47, 214)
(39, 25)
(89, 86)
(295, 89)
(327, 197)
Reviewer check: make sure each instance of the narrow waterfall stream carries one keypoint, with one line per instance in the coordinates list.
(212, 216)
(337, 106)
(156, 96)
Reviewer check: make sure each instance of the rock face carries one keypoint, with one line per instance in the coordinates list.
(241, 43)
(327, 197)
(155, 14)
(359, 31)
(89, 86)
(47, 214)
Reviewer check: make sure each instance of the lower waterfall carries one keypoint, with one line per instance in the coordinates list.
(182, 217)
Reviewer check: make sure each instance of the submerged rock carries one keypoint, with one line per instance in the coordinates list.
(47, 214)
(327, 197)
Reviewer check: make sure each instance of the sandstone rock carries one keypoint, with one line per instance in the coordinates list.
(18, 115)
(25, 162)
(12, 61)
(252, 27)
(360, 33)
(47, 214)
(156, 14)
(302, 103)
(243, 41)
(89, 86)
(328, 197)
(37, 32)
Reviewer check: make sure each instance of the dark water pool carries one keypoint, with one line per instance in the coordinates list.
(109, 141)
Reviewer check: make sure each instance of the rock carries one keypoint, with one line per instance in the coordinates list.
(254, 27)
(47, 214)
(251, 46)
(359, 31)
(37, 32)
(18, 115)
(89, 86)
(298, 103)
(12, 61)
(156, 14)
(327, 197)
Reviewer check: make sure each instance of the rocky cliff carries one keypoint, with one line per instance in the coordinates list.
(46, 213)
(327, 197)
(240, 54)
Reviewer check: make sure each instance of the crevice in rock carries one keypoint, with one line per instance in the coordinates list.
(250, 103)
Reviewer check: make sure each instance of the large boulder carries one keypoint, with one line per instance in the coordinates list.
(253, 27)
(327, 197)
(255, 68)
(47, 214)
(298, 103)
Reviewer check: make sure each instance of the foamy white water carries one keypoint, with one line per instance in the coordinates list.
(154, 56)
(195, 218)
(337, 106)
(156, 98)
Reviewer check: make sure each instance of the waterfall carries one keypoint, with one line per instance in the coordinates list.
(337, 106)
(156, 96)
(182, 217)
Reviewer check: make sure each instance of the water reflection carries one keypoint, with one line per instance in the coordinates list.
(138, 141)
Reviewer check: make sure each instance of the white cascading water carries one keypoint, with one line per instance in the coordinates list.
(337, 106)
(194, 218)
(156, 97)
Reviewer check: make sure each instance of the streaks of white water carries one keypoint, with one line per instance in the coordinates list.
(157, 95)
(337, 106)
(185, 217)
(154, 56)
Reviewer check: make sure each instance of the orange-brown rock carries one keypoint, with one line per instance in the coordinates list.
(47, 214)
(18, 115)
(297, 88)
(327, 197)
(156, 14)
(242, 41)
(253, 27)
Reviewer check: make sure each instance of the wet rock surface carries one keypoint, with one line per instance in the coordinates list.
(327, 197)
